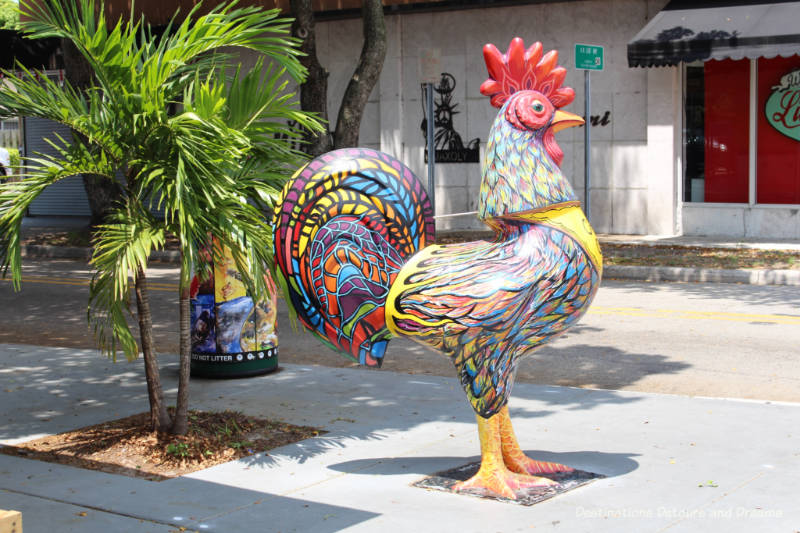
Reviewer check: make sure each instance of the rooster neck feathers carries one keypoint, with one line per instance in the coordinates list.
(521, 172)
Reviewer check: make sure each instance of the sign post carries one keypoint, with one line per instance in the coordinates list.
(588, 57)
(430, 70)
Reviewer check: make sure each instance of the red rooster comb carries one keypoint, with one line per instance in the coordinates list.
(520, 69)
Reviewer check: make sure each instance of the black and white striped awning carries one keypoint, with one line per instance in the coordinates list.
(688, 30)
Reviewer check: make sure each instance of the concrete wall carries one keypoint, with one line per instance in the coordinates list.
(758, 221)
(633, 185)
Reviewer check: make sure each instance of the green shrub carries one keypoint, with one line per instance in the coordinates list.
(13, 155)
(9, 15)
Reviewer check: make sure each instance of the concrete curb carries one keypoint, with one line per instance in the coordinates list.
(703, 275)
(37, 251)
(632, 273)
(721, 243)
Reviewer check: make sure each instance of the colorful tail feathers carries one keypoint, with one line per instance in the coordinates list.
(343, 228)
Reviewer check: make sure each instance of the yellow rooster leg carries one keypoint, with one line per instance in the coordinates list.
(493, 476)
(514, 459)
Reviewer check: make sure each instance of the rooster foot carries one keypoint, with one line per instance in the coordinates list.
(514, 459)
(493, 476)
(501, 482)
(522, 464)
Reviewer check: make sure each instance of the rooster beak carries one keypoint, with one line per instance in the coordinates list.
(563, 120)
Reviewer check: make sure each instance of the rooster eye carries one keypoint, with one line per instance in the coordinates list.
(538, 106)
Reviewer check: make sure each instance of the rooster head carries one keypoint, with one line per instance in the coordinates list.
(527, 84)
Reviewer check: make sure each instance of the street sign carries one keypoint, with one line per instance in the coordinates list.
(430, 65)
(588, 57)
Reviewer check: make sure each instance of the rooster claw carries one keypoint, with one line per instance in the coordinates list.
(501, 484)
(526, 465)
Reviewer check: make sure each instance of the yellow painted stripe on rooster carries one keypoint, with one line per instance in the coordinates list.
(366, 163)
(399, 284)
(570, 219)
(389, 169)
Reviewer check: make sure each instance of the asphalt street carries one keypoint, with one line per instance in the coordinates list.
(716, 340)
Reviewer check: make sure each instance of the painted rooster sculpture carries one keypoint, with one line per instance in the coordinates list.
(353, 233)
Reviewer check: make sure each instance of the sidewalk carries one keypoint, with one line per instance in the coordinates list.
(671, 463)
(703, 242)
(703, 275)
(658, 273)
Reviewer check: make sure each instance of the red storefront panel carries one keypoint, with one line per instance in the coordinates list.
(778, 161)
(727, 104)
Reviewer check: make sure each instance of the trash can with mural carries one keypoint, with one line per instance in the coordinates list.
(232, 336)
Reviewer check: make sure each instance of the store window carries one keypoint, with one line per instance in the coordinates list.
(778, 123)
(717, 132)
(10, 133)
(694, 134)
(717, 147)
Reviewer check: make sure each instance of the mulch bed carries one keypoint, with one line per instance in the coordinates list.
(126, 446)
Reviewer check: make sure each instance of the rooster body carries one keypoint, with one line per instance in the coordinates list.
(353, 234)
(486, 304)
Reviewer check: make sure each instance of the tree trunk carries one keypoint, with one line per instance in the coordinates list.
(180, 424)
(100, 191)
(314, 92)
(365, 77)
(159, 419)
(76, 69)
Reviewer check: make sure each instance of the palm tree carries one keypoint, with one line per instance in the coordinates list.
(192, 136)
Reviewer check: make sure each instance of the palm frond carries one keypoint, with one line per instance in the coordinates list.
(33, 94)
(189, 47)
(16, 196)
(260, 104)
(112, 54)
(107, 316)
(121, 247)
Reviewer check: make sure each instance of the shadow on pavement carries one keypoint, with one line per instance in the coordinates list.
(181, 503)
(586, 365)
(608, 464)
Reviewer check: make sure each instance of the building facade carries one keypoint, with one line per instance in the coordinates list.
(692, 119)
(633, 185)
(739, 71)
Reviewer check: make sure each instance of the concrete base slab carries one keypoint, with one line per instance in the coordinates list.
(447, 480)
